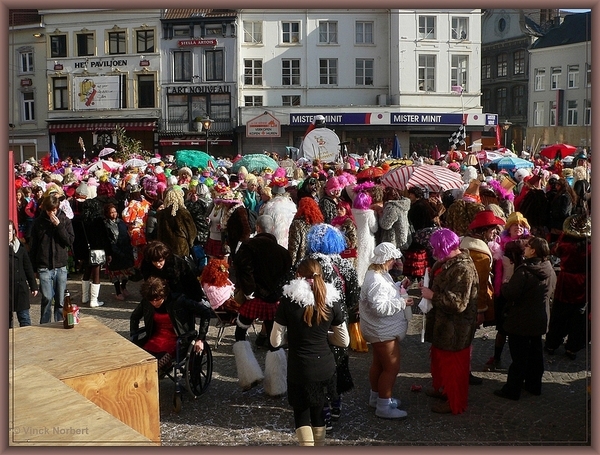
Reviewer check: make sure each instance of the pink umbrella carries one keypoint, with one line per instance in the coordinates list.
(430, 176)
(103, 164)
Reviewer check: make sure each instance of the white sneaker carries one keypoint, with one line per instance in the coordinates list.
(96, 304)
(386, 411)
(373, 401)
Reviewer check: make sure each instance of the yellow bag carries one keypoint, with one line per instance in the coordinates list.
(357, 342)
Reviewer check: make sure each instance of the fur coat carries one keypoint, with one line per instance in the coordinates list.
(482, 258)
(177, 232)
(394, 222)
(366, 226)
(460, 214)
(297, 243)
(452, 321)
(282, 209)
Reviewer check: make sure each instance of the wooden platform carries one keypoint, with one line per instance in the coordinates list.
(96, 362)
(62, 417)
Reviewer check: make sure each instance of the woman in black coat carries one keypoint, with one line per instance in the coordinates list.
(527, 295)
(119, 257)
(21, 279)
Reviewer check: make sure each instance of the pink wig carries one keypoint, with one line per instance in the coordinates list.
(443, 241)
(362, 201)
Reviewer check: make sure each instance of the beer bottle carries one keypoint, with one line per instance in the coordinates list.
(68, 316)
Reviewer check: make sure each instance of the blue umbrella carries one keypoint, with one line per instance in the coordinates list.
(256, 162)
(396, 149)
(510, 163)
(54, 158)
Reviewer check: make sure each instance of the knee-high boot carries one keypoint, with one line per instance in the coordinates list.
(305, 436)
(248, 369)
(85, 291)
(94, 292)
(275, 373)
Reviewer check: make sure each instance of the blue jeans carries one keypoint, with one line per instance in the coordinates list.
(52, 286)
(23, 318)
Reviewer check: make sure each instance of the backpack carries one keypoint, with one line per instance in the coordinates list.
(252, 216)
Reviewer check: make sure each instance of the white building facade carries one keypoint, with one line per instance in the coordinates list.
(373, 74)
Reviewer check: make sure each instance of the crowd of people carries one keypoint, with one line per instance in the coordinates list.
(313, 249)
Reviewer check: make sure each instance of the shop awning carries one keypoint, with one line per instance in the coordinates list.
(191, 142)
(101, 126)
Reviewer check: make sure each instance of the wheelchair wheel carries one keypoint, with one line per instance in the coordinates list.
(198, 370)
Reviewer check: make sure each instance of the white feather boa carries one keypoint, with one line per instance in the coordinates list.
(300, 291)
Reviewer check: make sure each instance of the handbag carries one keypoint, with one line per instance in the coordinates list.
(96, 257)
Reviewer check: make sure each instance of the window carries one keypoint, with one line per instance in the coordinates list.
(290, 100)
(553, 113)
(460, 28)
(146, 91)
(220, 108)
(486, 68)
(555, 77)
(58, 46)
(182, 66)
(328, 32)
(123, 81)
(519, 62)
(178, 111)
(364, 32)
(501, 97)
(26, 62)
(587, 115)
(85, 44)
(540, 79)
(426, 27)
(291, 32)
(144, 41)
(28, 107)
(253, 72)
(290, 72)
(213, 30)
(458, 76)
(572, 112)
(573, 76)
(252, 32)
(364, 71)
(328, 73)
(60, 94)
(486, 100)
(253, 100)
(588, 76)
(502, 65)
(215, 70)
(538, 113)
(427, 73)
(116, 43)
(182, 32)
(518, 100)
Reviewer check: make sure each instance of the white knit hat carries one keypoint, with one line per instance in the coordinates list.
(384, 252)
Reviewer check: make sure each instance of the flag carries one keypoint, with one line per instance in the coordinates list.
(457, 89)
(498, 138)
(53, 154)
(396, 149)
(457, 138)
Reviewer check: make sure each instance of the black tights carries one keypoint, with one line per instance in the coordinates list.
(240, 332)
(312, 416)
(120, 285)
(92, 273)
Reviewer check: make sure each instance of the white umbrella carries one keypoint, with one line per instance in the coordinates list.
(154, 160)
(106, 151)
(135, 162)
(103, 164)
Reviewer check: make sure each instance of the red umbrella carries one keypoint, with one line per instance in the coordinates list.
(433, 177)
(370, 173)
(12, 190)
(564, 149)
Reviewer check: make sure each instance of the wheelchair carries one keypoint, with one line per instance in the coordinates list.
(190, 371)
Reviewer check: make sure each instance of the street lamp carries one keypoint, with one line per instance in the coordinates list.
(206, 124)
(505, 126)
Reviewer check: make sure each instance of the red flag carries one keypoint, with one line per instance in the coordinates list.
(498, 143)
(313, 124)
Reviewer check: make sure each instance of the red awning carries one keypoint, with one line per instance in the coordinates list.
(190, 142)
(101, 126)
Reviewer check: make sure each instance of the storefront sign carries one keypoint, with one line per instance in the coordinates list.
(26, 82)
(264, 125)
(182, 90)
(98, 92)
(197, 42)
(396, 118)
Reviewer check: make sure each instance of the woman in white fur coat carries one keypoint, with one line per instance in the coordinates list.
(366, 227)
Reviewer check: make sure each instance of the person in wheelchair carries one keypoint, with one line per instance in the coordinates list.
(167, 315)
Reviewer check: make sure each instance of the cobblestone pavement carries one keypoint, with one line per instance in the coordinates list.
(226, 416)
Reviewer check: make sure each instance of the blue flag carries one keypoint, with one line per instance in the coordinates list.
(54, 158)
